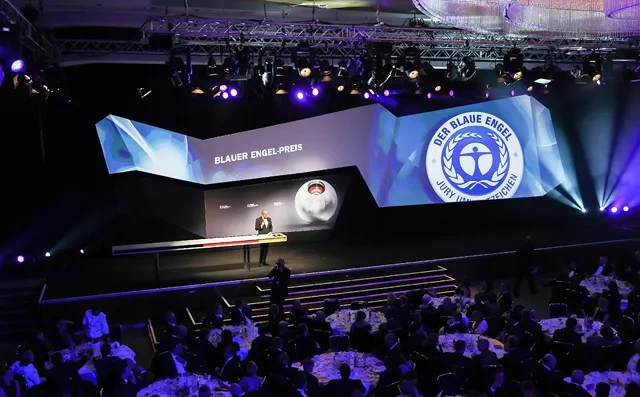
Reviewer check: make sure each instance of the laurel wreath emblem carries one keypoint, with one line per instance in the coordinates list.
(457, 179)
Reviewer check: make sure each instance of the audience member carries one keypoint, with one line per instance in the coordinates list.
(63, 377)
(603, 389)
(485, 356)
(360, 324)
(215, 320)
(313, 386)
(9, 385)
(575, 388)
(95, 325)
(344, 387)
(230, 371)
(173, 363)
(27, 370)
(107, 365)
(569, 333)
(62, 339)
(251, 381)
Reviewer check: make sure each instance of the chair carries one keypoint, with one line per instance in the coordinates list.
(391, 390)
(611, 358)
(495, 326)
(362, 341)
(449, 384)
(358, 305)
(525, 370)
(330, 306)
(564, 353)
(455, 369)
(626, 329)
(323, 338)
(557, 309)
(339, 343)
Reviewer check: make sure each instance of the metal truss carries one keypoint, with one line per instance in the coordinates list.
(32, 38)
(218, 38)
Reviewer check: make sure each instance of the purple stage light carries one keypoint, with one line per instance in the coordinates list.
(315, 92)
(625, 208)
(513, 93)
(429, 95)
(20, 258)
(234, 92)
(451, 93)
(299, 95)
(486, 95)
(614, 210)
(366, 95)
(386, 93)
(225, 95)
(17, 65)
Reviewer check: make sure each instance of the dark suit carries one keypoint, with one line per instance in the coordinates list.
(279, 285)
(313, 387)
(168, 366)
(546, 379)
(214, 321)
(575, 390)
(107, 368)
(230, 372)
(64, 378)
(567, 335)
(458, 360)
(306, 348)
(240, 316)
(121, 389)
(486, 357)
(343, 387)
(262, 229)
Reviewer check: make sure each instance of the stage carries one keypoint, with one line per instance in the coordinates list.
(308, 253)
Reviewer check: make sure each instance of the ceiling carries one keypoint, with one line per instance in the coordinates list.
(133, 13)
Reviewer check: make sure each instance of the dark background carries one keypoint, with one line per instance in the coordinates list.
(60, 197)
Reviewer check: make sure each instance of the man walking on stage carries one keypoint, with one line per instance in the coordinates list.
(280, 277)
(264, 226)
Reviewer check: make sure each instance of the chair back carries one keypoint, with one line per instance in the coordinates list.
(358, 305)
(323, 338)
(455, 369)
(339, 343)
(525, 370)
(449, 384)
(495, 326)
(557, 309)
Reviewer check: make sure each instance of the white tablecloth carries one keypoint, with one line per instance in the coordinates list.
(88, 371)
(550, 325)
(243, 335)
(597, 284)
(462, 302)
(447, 344)
(188, 384)
(368, 368)
(342, 320)
(617, 381)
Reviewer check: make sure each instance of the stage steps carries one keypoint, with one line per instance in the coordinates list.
(371, 284)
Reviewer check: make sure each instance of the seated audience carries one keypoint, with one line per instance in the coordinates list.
(173, 363)
(546, 376)
(344, 387)
(298, 313)
(456, 325)
(604, 268)
(477, 325)
(230, 370)
(9, 385)
(485, 356)
(275, 317)
(306, 347)
(320, 323)
(505, 300)
(124, 385)
(215, 320)
(63, 377)
(106, 365)
(361, 324)
(602, 312)
(463, 290)
(313, 387)
(170, 324)
(575, 388)
(95, 325)
(62, 339)
(457, 359)
(241, 313)
(251, 381)
(603, 389)
(632, 364)
(27, 370)
(569, 333)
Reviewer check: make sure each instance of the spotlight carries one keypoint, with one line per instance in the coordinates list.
(234, 92)
(602, 208)
(614, 210)
(20, 259)
(47, 254)
(340, 88)
(451, 93)
(429, 95)
(513, 92)
(299, 95)
(197, 91)
(438, 88)
(366, 95)
(225, 95)
(385, 93)
(584, 210)
(280, 90)
(486, 95)
(315, 92)
(82, 251)
(17, 66)
(530, 88)
(625, 208)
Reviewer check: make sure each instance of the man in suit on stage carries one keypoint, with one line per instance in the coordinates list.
(264, 226)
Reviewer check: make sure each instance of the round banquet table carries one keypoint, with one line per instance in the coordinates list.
(326, 366)
(462, 302)
(617, 381)
(597, 285)
(341, 321)
(243, 335)
(447, 344)
(550, 325)
(189, 384)
(88, 371)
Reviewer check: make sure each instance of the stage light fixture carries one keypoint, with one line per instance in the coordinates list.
(225, 95)
(429, 95)
(340, 88)
(315, 92)
(197, 91)
(82, 251)
(366, 95)
(438, 88)
(280, 90)
(233, 92)
(614, 210)
(212, 67)
(602, 208)
(17, 66)
(451, 93)
(486, 95)
(386, 93)
(530, 88)
(625, 208)
(20, 259)
(47, 254)
(513, 92)
(300, 95)
(584, 210)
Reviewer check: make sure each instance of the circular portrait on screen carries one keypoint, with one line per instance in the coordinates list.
(316, 201)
